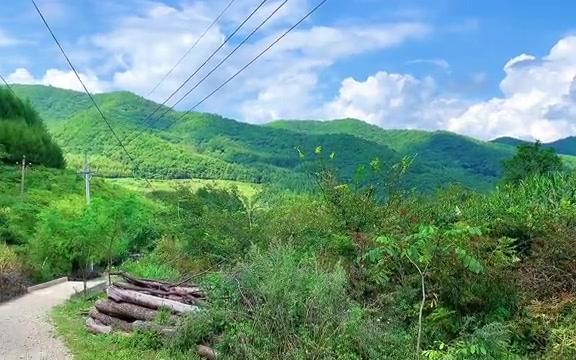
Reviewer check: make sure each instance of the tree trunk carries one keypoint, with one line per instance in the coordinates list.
(108, 320)
(422, 303)
(159, 329)
(125, 310)
(96, 327)
(149, 301)
(84, 281)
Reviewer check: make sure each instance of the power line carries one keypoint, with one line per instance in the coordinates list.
(7, 85)
(220, 63)
(84, 86)
(251, 62)
(191, 48)
(226, 58)
(204, 63)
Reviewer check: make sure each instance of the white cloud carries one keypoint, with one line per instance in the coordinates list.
(394, 101)
(58, 78)
(285, 83)
(441, 63)
(538, 99)
(21, 76)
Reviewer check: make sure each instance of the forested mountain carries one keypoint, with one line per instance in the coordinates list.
(209, 146)
(440, 156)
(507, 140)
(566, 146)
(22, 133)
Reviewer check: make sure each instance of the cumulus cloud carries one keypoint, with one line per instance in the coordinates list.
(394, 101)
(538, 101)
(140, 48)
(58, 78)
(285, 83)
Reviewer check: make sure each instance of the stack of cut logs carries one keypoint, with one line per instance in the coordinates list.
(134, 304)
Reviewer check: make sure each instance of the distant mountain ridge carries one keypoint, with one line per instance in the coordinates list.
(209, 146)
(566, 146)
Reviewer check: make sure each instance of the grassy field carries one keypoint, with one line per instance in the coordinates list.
(139, 185)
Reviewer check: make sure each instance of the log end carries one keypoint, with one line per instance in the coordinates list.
(206, 352)
(96, 327)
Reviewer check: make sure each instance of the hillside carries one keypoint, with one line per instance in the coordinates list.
(506, 140)
(566, 146)
(439, 156)
(212, 147)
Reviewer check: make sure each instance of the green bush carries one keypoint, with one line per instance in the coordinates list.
(12, 279)
(285, 305)
(150, 267)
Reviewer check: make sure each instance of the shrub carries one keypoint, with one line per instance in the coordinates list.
(12, 280)
(150, 267)
(285, 305)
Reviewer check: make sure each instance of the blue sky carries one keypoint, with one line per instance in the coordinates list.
(481, 68)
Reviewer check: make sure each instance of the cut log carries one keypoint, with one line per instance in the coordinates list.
(206, 352)
(129, 286)
(194, 291)
(115, 323)
(125, 310)
(153, 302)
(159, 329)
(96, 327)
(189, 296)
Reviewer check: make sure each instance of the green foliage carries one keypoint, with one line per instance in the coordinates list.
(440, 157)
(22, 133)
(531, 160)
(285, 306)
(70, 235)
(491, 341)
(150, 267)
(9, 261)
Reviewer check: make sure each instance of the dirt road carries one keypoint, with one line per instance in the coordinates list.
(25, 329)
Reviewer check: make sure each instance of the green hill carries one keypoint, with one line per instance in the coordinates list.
(565, 146)
(212, 147)
(506, 140)
(440, 156)
(200, 146)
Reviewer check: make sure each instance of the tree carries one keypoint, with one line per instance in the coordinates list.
(426, 248)
(121, 220)
(68, 235)
(531, 160)
(22, 132)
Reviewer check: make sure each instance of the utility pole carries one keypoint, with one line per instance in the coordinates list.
(87, 173)
(23, 165)
(87, 176)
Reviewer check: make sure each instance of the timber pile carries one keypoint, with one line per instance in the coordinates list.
(133, 304)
